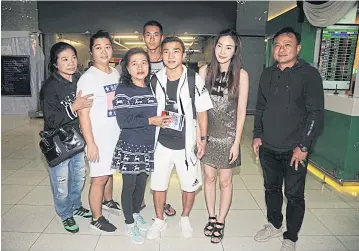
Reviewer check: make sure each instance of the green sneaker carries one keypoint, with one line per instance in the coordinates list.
(70, 225)
(140, 222)
(82, 212)
(134, 233)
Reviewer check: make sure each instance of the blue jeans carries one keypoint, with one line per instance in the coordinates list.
(67, 180)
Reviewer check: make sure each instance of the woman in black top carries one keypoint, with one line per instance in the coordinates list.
(136, 110)
(59, 105)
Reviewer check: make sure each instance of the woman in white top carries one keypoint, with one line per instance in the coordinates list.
(100, 129)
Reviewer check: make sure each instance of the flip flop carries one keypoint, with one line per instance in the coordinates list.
(167, 210)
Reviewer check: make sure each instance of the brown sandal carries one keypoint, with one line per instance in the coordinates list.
(167, 209)
(208, 229)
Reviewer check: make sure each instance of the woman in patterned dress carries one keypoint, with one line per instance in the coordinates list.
(136, 110)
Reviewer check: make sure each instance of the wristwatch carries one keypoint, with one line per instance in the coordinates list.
(206, 138)
(304, 149)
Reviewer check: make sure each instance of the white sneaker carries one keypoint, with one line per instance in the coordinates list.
(155, 230)
(186, 228)
(164, 217)
(268, 232)
(288, 245)
(134, 233)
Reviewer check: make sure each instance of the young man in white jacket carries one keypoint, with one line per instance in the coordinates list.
(176, 147)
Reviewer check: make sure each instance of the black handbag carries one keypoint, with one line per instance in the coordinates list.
(61, 144)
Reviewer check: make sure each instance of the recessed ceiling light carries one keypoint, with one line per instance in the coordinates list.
(187, 38)
(126, 36)
(134, 43)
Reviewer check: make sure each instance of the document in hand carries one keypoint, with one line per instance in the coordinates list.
(176, 122)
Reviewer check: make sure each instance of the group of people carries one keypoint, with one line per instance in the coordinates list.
(158, 114)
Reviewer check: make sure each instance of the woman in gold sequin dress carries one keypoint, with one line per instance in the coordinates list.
(228, 84)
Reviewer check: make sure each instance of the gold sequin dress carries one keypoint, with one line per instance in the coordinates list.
(221, 130)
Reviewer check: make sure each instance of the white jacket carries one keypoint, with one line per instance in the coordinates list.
(202, 103)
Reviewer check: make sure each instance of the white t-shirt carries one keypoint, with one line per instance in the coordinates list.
(156, 67)
(102, 115)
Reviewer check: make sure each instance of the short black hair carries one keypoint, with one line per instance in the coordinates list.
(173, 39)
(153, 23)
(288, 30)
(99, 34)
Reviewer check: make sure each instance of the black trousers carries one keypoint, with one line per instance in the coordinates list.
(133, 191)
(276, 168)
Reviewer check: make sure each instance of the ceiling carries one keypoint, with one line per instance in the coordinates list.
(276, 8)
(125, 41)
(128, 41)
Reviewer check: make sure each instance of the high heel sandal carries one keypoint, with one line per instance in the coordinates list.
(208, 229)
(218, 233)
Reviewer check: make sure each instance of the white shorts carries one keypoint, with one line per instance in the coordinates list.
(164, 160)
(99, 170)
(103, 167)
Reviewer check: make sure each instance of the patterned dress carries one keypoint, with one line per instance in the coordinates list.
(135, 147)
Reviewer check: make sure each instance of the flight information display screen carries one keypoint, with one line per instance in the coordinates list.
(336, 58)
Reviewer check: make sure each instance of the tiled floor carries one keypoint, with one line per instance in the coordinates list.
(29, 221)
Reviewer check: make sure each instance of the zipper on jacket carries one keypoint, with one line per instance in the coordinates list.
(288, 90)
(277, 84)
(179, 95)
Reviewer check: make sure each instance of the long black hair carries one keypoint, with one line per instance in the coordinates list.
(125, 78)
(233, 73)
(56, 49)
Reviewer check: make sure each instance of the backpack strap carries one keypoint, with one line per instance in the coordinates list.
(191, 76)
(153, 83)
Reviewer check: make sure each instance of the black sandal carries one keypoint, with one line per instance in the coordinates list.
(208, 229)
(218, 233)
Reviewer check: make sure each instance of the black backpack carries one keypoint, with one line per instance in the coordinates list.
(191, 75)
